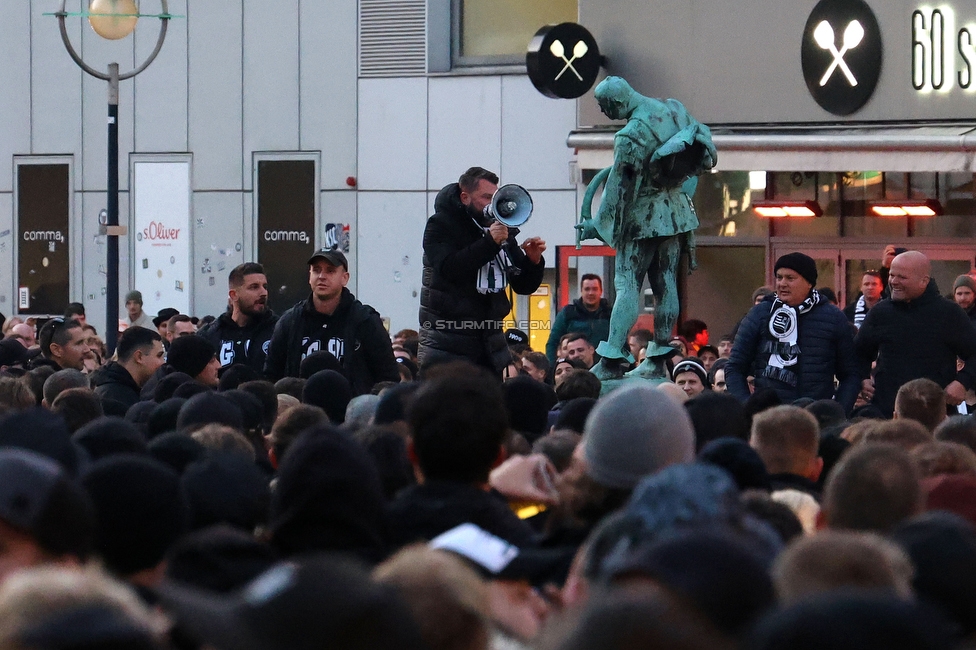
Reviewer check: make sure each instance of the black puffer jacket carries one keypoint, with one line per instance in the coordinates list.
(826, 350)
(454, 317)
(918, 338)
(113, 382)
(368, 357)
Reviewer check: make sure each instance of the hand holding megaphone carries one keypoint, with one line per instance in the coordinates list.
(498, 231)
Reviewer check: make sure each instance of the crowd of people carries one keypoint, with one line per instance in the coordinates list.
(311, 481)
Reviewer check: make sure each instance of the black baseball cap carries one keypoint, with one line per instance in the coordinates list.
(330, 255)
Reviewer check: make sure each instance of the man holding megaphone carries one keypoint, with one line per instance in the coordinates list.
(471, 259)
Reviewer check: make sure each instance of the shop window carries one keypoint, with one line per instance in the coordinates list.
(807, 186)
(719, 292)
(954, 190)
(723, 202)
(497, 32)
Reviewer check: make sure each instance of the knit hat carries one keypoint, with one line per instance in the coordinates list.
(740, 460)
(134, 296)
(176, 450)
(331, 392)
(140, 511)
(168, 384)
(190, 354)
(516, 337)
(965, 281)
(37, 497)
(633, 432)
(802, 264)
(107, 436)
(12, 352)
(163, 417)
(691, 364)
(226, 488)
(209, 408)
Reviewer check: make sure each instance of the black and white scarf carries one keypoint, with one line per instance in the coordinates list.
(860, 311)
(784, 352)
(493, 276)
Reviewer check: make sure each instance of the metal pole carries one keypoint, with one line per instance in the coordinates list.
(112, 205)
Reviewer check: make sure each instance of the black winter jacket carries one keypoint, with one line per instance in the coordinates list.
(422, 512)
(368, 353)
(113, 382)
(913, 339)
(826, 347)
(454, 317)
(236, 344)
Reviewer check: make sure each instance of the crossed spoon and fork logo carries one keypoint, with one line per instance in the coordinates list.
(825, 38)
(559, 51)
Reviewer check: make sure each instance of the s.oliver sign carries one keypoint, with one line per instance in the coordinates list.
(161, 234)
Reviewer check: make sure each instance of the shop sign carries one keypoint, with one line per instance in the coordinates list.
(942, 55)
(563, 60)
(841, 55)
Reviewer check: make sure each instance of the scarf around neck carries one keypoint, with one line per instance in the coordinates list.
(784, 328)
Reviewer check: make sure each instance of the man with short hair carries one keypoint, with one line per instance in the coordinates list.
(242, 334)
(589, 314)
(470, 262)
(873, 487)
(64, 344)
(76, 310)
(180, 325)
(794, 342)
(871, 288)
(787, 438)
(917, 333)
(140, 354)
(331, 319)
(23, 333)
(59, 382)
(161, 321)
(459, 425)
(578, 347)
(133, 306)
(921, 400)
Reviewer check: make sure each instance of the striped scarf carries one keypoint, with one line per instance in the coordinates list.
(493, 276)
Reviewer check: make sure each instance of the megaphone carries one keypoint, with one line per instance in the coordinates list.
(511, 205)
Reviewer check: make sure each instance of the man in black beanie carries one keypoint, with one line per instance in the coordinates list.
(197, 357)
(795, 343)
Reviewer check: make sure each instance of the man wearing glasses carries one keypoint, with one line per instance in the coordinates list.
(64, 344)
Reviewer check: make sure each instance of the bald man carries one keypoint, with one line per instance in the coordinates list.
(916, 333)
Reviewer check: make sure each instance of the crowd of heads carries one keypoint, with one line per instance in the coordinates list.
(460, 510)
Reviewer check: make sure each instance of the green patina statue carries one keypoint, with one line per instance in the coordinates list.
(647, 215)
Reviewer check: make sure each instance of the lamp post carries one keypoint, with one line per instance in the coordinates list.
(113, 19)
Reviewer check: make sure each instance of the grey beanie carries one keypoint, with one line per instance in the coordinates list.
(964, 281)
(633, 432)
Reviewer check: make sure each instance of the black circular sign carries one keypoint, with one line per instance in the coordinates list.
(563, 60)
(841, 54)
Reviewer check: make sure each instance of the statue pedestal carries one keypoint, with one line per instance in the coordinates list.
(651, 371)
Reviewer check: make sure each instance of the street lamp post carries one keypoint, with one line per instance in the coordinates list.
(113, 19)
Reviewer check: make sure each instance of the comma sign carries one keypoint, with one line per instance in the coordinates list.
(841, 55)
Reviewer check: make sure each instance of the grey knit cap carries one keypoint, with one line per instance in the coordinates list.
(633, 432)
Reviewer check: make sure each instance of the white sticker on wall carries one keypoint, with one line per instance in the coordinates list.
(23, 301)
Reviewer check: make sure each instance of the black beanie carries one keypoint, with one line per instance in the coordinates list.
(140, 511)
(331, 392)
(108, 436)
(176, 450)
(41, 431)
(209, 408)
(190, 354)
(802, 264)
(163, 417)
(226, 488)
(528, 404)
(168, 385)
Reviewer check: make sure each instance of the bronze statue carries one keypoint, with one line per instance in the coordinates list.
(647, 215)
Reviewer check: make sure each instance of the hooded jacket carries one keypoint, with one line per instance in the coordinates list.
(454, 316)
(236, 344)
(914, 339)
(367, 351)
(113, 382)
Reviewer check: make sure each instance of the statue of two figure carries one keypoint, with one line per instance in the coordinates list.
(646, 215)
